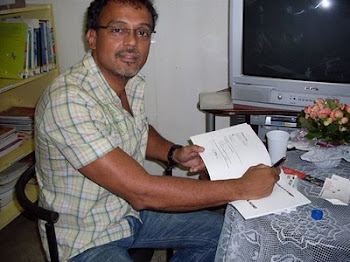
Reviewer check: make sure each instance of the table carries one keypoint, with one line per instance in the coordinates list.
(295, 236)
(242, 110)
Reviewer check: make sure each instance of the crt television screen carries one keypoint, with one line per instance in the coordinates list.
(302, 40)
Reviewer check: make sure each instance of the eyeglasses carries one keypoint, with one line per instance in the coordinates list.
(121, 32)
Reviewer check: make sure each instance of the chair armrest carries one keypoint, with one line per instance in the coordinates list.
(32, 208)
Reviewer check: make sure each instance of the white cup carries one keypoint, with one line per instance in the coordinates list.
(277, 141)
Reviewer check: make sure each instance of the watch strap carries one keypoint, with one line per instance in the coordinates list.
(171, 163)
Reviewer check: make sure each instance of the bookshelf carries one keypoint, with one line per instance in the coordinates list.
(24, 92)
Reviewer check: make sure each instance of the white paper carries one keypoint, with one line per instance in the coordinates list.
(283, 198)
(229, 152)
(336, 190)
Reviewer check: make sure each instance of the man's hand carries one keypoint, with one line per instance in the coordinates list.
(189, 157)
(258, 181)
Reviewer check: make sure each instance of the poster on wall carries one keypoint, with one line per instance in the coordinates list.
(8, 4)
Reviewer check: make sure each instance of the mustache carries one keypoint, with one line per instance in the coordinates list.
(131, 51)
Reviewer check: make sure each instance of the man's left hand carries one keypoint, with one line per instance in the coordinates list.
(189, 157)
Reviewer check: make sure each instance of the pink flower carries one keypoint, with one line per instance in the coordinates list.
(313, 115)
(347, 108)
(323, 113)
(336, 114)
(307, 110)
(320, 103)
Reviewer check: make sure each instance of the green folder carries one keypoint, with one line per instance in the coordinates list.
(12, 49)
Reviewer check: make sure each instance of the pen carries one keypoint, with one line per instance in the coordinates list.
(279, 162)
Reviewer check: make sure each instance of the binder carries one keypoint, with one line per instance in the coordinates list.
(12, 49)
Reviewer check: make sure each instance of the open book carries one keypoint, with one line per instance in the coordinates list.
(228, 154)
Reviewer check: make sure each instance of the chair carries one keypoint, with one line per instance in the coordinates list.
(51, 217)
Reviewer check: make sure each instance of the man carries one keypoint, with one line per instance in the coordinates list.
(92, 138)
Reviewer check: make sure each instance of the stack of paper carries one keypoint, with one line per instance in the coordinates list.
(20, 118)
(8, 180)
(9, 140)
(229, 153)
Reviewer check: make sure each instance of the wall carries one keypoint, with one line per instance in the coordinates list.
(189, 55)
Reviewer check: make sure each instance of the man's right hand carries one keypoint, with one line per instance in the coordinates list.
(258, 182)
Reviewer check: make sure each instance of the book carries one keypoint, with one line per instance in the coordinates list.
(12, 49)
(215, 100)
(8, 139)
(8, 186)
(43, 46)
(6, 131)
(7, 197)
(229, 153)
(17, 114)
(8, 4)
(13, 172)
(32, 26)
(10, 147)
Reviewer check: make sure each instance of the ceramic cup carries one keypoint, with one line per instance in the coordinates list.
(277, 141)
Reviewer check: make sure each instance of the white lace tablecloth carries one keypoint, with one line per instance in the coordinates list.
(295, 236)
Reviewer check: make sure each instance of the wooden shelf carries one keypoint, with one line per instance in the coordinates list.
(13, 209)
(7, 84)
(23, 150)
(24, 92)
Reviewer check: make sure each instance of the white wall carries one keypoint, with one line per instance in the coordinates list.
(189, 55)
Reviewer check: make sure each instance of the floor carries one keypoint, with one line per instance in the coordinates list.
(20, 242)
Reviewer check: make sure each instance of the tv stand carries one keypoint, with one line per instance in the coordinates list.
(244, 111)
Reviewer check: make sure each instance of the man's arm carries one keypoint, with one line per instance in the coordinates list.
(157, 146)
(123, 176)
(188, 156)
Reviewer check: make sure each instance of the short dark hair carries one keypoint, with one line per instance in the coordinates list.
(95, 8)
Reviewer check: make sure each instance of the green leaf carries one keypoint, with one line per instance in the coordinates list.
(307, 123)
(314, 134)
(331, 103)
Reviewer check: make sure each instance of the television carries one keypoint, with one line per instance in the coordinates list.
(284, 54)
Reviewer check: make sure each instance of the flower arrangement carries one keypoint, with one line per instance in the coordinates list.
(326, 120)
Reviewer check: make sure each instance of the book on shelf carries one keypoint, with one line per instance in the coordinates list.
(12, 49)
(10, 147)
(229, 153)
(39, 47)
(9, 178)
(5, 131)
(19, 118)
(43, 46)
(7, 197)
(12, 137)
(32, 27)
(17, 114)
(13, 172)
(9, 4)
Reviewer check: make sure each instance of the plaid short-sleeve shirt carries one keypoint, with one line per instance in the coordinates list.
(78, 119)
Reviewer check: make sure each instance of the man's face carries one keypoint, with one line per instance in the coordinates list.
(117, 50)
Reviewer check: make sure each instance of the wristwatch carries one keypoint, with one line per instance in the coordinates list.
(171, 163)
